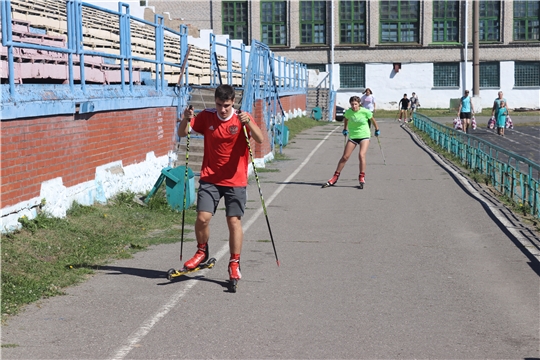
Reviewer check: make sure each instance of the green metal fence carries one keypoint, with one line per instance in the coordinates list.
(511, 174)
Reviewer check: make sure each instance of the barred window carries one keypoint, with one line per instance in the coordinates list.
(489, 74)
(490, 20)
(526, 20)
(320, 67)
(274, 22)
(235, 19)
(445, 21)
(446, 75)
(527, 73)
(313, 22)
(352, 75)
(399, 21)
(352, 23)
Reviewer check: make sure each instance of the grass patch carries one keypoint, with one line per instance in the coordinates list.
(50, 254)
(299, 124)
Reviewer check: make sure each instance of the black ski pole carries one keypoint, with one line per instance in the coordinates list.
(185, 187)
(260, 193)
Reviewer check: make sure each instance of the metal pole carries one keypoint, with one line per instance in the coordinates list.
(476, 49)
(466, 43)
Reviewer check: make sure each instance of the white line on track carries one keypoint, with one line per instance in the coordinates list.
(146, 326)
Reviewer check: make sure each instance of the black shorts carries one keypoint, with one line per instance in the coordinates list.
(209, 195)
(358, 141)
(465, 115)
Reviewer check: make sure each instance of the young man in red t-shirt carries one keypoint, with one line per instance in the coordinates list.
(223, 172)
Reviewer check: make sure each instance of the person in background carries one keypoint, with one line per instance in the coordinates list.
(414, 104)
(465, 111)
(501, 117)
(404, 104)
(500, 110)
(224, 172)
(368, 100)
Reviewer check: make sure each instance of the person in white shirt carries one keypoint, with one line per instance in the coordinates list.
(368, 100)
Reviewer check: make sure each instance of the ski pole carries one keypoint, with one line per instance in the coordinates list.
(260, 193)
(185, 188)
(380, 147)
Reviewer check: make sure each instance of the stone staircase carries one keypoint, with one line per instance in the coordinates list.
(318, 97)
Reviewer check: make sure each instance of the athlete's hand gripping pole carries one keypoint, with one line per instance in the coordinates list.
(260, 191)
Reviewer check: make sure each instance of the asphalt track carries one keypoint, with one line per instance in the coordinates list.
(420, 263)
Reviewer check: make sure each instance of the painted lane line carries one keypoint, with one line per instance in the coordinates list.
(147, 326)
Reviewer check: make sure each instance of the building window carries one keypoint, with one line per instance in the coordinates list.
(313, 22)
(352, 75)
(489, 75)
(319, 67)
(490, 21)
(526, 20)
(352, 22)
(235, 20)
(527, 73)
(274, 23)
(446, 21)
(446, 74)
(400, 21)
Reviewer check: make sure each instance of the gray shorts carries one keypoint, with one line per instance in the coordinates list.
(209, 195)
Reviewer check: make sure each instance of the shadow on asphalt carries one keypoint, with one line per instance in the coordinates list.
(156, 274)
(146, 273)
(319, 184)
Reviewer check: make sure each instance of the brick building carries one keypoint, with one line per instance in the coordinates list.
(393, 47)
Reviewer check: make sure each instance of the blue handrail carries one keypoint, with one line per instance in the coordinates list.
(512, 175)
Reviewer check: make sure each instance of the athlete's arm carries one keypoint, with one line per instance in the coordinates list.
(254, 129)
(187, 116)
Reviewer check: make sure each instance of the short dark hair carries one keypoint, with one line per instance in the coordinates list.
(224, 92)
(354, 98)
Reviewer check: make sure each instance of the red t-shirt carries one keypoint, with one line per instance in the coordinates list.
(226, 155)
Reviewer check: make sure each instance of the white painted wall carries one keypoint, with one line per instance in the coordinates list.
(388, 87)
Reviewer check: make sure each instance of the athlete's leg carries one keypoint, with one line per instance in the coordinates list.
(364, 145)
(349, 148)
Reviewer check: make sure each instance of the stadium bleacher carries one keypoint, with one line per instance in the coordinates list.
(45, 22)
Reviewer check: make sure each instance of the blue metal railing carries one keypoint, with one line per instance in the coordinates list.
(290, 77)
(512, 175)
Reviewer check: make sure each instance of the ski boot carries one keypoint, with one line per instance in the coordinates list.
(332, 181)
(200, 256)
(234, 272)
(198, 262)
(361, 180)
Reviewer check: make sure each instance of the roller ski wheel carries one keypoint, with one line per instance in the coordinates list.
(233, 285)
(173, 273)
(327, 185)
(361, 186)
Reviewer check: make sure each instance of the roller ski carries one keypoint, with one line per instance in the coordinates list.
(332, 181)
(361, 180)
(198, 262)
(234, 272)
(173, 273)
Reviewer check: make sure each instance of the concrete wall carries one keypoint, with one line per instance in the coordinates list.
(388, 87)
